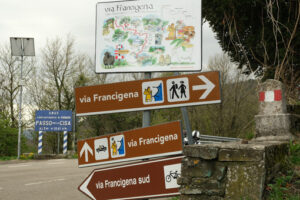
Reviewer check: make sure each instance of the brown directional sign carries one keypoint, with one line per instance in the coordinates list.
(149, 142)
(176, 91)
(150, 179)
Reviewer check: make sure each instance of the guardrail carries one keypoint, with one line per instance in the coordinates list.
(210, 138)
(207, 139)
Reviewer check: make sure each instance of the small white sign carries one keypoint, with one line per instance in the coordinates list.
(117, 146)
(178, 89)
(101, 149)
(153, 92)
(172, 172)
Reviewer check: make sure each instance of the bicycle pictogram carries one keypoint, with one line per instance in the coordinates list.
(173, 175)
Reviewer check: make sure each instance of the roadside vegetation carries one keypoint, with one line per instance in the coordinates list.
(286, 185)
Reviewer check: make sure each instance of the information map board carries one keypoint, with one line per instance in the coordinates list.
(148, 35)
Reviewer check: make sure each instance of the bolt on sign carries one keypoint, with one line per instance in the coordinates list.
(149, 142)
(150, 179)
(167, 92)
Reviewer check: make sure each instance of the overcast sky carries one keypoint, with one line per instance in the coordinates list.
(47, 19)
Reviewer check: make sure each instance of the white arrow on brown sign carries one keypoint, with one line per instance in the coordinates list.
(167, 92)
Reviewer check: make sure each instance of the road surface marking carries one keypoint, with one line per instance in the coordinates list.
(19, 165)
(55, 163)
(42, 182)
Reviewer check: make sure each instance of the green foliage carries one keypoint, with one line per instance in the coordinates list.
(4, 158)
(130, 41)
(27, 156)
(178, 43)
(250, 135)
(257, 33)
(74, 156)
(108, 22)
(165, 115)
(248, 24)
(125, 20)
(282, 188)
(279, 187)
(119, 36)
(153, 48)
(120, 63)
(286, 185)
(8, 138)
(152, 21)
(110, 123)
(295, 153)
(148, 60)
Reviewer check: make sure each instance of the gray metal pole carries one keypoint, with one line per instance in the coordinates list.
(147, 113)
(74, 130)
(58, 143)
(186, 121)
(20, 104)
(187, 124)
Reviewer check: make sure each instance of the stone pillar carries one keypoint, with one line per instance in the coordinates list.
(272, 122)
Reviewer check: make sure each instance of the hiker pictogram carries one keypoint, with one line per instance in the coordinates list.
(178, 89)
(153, 92)
(148, 94)
(173, 90)
(182, 89)
(117, 146)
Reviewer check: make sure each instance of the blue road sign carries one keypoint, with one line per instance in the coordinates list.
(53, 120)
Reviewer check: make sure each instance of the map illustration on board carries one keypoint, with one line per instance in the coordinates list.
(148, 35)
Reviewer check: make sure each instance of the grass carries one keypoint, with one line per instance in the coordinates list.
(286, 186)
(5, 158)
(25, 156)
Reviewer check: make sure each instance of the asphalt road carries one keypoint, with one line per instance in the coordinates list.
(42, 180)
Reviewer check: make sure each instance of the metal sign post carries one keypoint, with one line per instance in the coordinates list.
(147, 113)
(21, 47)
(186, 120)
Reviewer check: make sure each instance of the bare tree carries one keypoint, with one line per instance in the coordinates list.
(10, 74)
(61, 69)
(234, 116)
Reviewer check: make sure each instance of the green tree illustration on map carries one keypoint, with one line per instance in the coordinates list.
(125, 20)
(119, 36)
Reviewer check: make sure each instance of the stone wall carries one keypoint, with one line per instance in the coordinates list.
(229, 170)
(236, 171)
